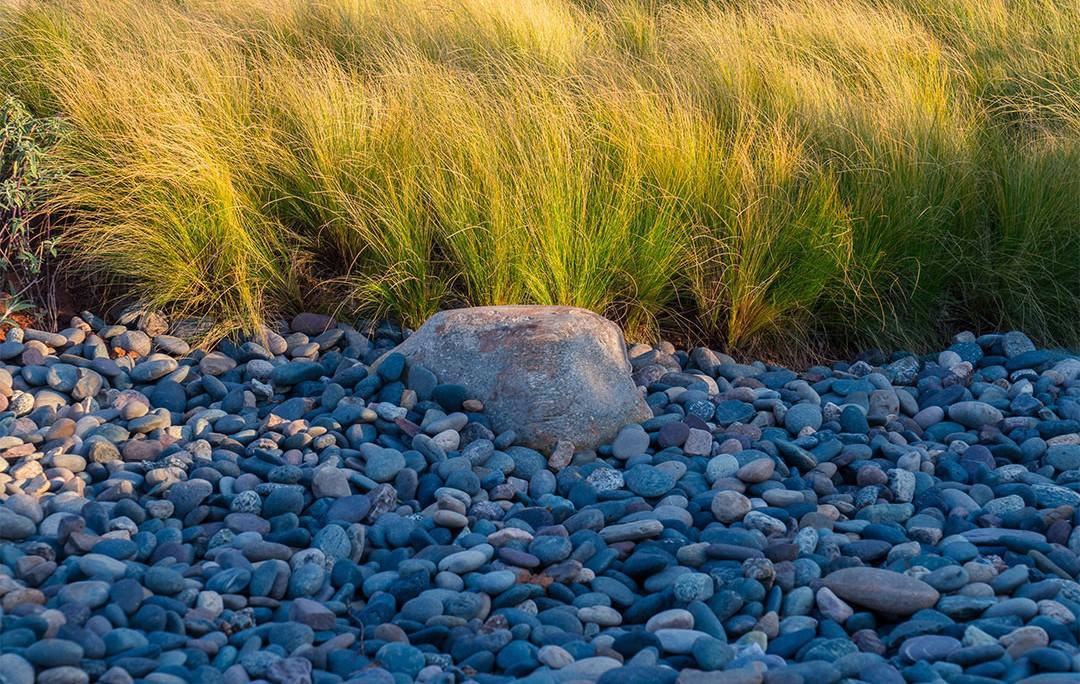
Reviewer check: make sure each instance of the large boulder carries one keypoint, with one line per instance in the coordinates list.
(548, 373)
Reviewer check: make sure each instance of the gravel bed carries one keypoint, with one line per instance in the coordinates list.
(271, 511)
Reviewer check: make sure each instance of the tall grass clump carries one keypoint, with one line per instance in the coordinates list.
(165, 185)
(755, 174)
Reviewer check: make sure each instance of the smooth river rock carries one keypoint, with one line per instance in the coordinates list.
(882, 590)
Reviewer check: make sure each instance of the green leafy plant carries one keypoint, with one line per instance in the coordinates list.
(11, 305)
(25, 240)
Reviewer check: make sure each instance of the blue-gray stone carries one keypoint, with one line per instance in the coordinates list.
(306, 580)
(295, 372)
(229, 581)
(931, 647)
(649, 481)
(401, 658)
(731, 411)
(802, 416)
(384, 464)
(163, 580)
(185, 496)
(550, 548)
(974, 413)
(54, 653)
(284, 499)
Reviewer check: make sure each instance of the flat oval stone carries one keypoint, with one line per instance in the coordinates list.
(882, 590)
(54, 652)
(931, 647)
(974, 413)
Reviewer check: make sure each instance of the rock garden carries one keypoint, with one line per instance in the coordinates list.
(513, 494)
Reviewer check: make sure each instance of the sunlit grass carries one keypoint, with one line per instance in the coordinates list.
(750, 173)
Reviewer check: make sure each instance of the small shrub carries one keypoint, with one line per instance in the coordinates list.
(25, 241)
